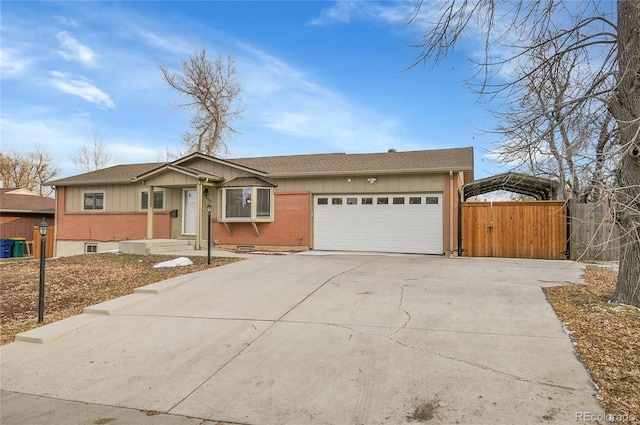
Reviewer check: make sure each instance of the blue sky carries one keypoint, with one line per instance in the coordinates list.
(317, 77)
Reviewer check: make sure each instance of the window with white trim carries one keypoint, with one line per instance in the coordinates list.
(93, 201)
(158, 199)
(247, 204)
(90, 248)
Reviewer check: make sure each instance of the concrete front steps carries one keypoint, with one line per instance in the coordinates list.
(156, 246)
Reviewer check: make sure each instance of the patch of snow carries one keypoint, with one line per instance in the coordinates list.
(614, 265)
(176, 262)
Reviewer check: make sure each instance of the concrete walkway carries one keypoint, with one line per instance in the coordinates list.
(313, 338)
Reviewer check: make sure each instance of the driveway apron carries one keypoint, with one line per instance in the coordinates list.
(318, 339)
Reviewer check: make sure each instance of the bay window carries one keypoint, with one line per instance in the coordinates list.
(247, 204)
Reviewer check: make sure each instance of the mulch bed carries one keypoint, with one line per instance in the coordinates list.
(73, 283)
(606, 337)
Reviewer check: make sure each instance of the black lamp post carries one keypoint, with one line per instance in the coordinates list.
(43, 227)
(209, 208)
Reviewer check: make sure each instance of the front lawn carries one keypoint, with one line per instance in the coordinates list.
(606, 337)
(73, 283)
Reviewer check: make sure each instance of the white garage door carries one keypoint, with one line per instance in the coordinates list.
(409, 223)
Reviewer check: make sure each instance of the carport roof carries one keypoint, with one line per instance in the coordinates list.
(538, 187)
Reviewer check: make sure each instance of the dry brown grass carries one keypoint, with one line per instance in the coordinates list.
(73, 283)
(606, 337)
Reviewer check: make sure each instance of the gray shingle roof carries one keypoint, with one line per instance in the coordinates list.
(115, 174)
(436, 160)
(439, 160)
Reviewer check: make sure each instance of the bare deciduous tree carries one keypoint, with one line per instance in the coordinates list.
(213, 90)
(532, 24)
(548, 130)
(94, 156)
(29, 171)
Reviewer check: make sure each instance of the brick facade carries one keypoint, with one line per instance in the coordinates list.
(107, 226)
(291, 226)
(21, 225)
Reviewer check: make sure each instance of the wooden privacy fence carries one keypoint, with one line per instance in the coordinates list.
(535, 229)
(51, 233)
(593, 233)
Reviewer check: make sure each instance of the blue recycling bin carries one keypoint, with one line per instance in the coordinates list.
(5, 248)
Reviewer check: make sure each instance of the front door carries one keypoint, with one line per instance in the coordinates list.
(189, 211)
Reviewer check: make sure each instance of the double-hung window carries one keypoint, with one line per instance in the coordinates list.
(247, 204)
(93, 201)
(158, 200)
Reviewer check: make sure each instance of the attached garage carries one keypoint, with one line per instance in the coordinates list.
(403, 223)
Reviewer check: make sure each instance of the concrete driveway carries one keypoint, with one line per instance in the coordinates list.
(314, 338)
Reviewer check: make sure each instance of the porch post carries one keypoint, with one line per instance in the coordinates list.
(150, 213)
(199, 217)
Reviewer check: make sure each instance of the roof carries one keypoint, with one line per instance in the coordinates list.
(19, 202)
(189, 171)
(392, 162)
(458, 159)
(539, 188)
(116, 174)
(249, 182)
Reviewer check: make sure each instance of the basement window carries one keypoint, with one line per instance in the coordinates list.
(91, 248)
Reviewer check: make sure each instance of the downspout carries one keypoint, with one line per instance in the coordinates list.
(451, 212)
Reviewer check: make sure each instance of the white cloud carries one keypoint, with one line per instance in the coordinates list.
(81, 87)
(72, 50)
(343, 12)
(288, 101)
(13, 62)
(174, 45)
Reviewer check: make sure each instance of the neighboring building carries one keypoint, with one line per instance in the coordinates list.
(389, 202)
(21, 210)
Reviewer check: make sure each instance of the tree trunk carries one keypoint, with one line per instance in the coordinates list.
(625, 108)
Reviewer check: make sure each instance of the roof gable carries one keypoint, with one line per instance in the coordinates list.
(249, 182)
(228, 163)
(187, 171)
